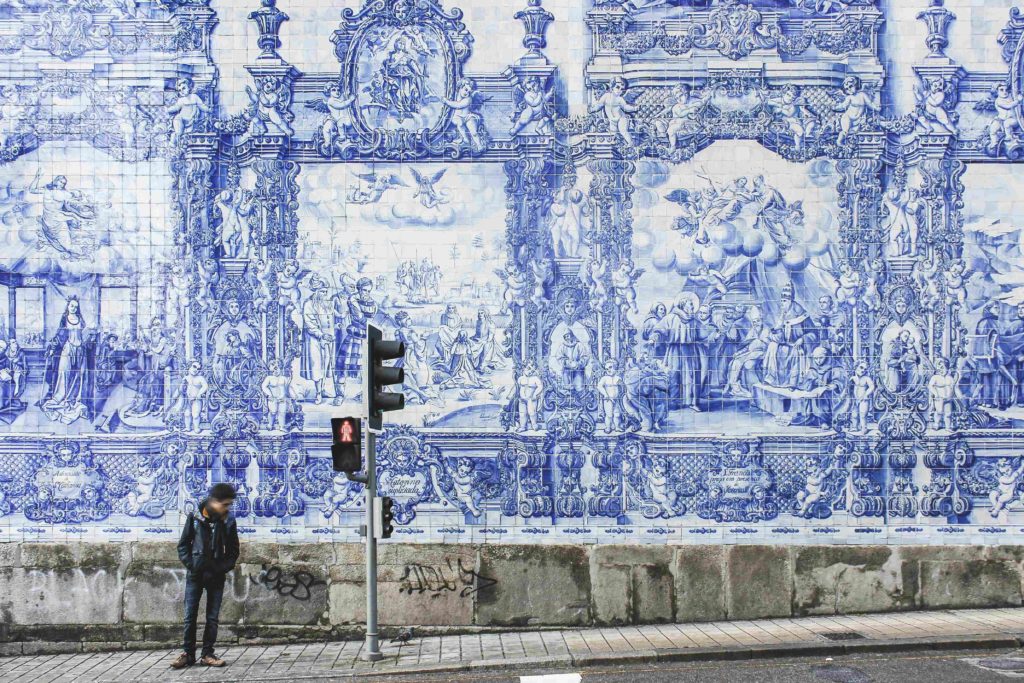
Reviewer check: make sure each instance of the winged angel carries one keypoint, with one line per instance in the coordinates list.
(428, 194)
(376, 185)
(336, 107)
(533, 107)
(269, 107)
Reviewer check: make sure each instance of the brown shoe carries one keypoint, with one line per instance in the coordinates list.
(211, 660)
(182, 661)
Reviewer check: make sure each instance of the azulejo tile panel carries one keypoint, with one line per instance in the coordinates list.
(711, 274)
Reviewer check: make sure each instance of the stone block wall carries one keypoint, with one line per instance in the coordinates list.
(107, 596)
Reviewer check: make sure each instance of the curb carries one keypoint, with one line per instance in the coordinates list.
(696, 654)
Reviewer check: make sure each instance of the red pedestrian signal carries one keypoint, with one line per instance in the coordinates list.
(346, 451)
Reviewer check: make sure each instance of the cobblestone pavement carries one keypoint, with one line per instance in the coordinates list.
(990, 628)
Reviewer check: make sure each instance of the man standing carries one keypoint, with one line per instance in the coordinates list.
(209, 550)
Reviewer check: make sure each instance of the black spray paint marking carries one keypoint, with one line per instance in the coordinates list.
(446, 578)
(299, 585)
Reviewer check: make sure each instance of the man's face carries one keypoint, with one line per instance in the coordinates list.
(219, 507)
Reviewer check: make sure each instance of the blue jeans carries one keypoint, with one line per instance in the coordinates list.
(194, 587)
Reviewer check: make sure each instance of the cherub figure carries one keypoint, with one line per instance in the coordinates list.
(185, 110)
(11, 112)
(662, 493)
(209, 276)
(534, 102)
(610, 388)
(706, 276)
(855, 107)
(592, 273)
(624, 282)
(942, 389)
(145, 488)
(850, 283)
(464, 485)
(517, 287)
(270, 107)
(336, 106)
(932, 114)
(178, 282)
(680, 113)
(793, 110)
(542, 276)
(814, 488)
(265, 279)
(616, 109)
(338, 494)
(194, 388)
(863, 391)
(955, 282)
(1006, 125)
(465, 117)
(288, 294)
(873, 288)
(926, 274)
(531, 391)
(275, 390)
(1007, 479)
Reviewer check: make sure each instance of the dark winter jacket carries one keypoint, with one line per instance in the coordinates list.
(208, 546)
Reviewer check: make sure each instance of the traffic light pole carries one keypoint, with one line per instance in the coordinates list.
(371, 651)
(376, 401)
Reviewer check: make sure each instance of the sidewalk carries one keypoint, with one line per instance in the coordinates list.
(577, 648)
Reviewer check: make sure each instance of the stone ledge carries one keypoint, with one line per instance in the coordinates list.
(134, 593)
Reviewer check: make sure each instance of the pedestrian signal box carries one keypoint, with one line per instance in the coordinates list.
(347, 446)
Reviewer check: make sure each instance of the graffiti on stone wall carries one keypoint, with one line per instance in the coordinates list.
(450, 577)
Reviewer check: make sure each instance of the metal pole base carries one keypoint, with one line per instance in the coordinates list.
(372, 656)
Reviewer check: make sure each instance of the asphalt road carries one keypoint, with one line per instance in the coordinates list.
(964, 667)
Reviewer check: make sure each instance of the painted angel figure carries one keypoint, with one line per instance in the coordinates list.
(517, 287)
(793, 110)
(265, 281)
(543, 273)
(690, 222)
(706, 276)
(933, 102)
(376, 185)
(855, 107)
(209, 276)
(680, 113)
(466, 118)
(269, 104)
(428, 194)
(533, 106)
(592, 273)
(624, 282)
(616, 109)
(185, 110)
(1006, 127)
(1007, 479)
(336, 106)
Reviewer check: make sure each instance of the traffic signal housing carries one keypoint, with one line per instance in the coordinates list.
(347, 444)
(380, 376)
(384, 514)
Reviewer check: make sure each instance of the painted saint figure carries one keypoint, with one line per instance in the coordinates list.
(68, 371)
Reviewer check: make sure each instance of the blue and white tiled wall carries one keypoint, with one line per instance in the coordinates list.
(685, 271)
